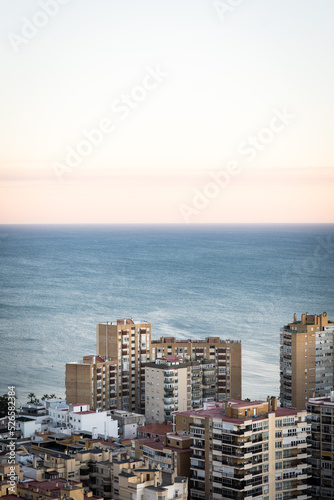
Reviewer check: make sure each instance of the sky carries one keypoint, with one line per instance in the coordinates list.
(186, 111)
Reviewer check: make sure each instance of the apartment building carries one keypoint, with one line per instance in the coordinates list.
(306, 359)
(225, 353)
(171, 453)
(133, 480)
(126, 344)
(321, 418)
(92, 381)
(61, 489)
(247, 450)
(173, 384)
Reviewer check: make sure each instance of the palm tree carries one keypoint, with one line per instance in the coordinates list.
(44, 397)
(32, 397)
(52, 396)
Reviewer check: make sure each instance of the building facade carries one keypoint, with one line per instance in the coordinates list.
(172, 452)
(306, 359)
(173, 384)
(92, 381)
(247, 450)
(126, 344)
(226, 355)
(321, 418)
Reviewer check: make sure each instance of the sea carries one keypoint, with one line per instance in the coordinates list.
(239, 282)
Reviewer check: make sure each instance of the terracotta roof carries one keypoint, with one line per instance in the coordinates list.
(158, 429)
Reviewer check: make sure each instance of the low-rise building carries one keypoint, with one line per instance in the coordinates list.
(59, 488)
(128, 423)
(80, 418)
(172, 452)
(134, 480)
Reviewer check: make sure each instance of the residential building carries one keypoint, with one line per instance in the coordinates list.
(306, 359)
(173, 384)
(133, 480)
(247, 450)
(80, 418)
(126, 343)
(128, 423)
(92, 381)
(59, 488)
(154, 430)
(171, 453)
(321, 418)
(225, 353)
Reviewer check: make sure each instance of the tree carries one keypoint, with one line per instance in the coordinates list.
(44, 397)
(4, 405)
(32, 397)
(52, 396)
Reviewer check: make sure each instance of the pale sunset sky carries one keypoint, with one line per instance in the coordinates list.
(199, 111)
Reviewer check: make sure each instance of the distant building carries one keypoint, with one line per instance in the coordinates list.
(92, 381)
(128, 423)
(27, 426)
(306, 359)
(154, 430)
(171, 453)
(173, 384)
(321, 418)
(59, 488)
(80, 418)
(133, 480)
(247, 450)
(126, 344)
(225, 353)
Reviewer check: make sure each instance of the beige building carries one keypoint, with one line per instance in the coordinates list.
(171, 453)
(134, 480)
(92, 381)
(321, 417)
(306, 359)
(173, 384)
(126, 344)
(225, 353)
(61, 489)
(247, 450)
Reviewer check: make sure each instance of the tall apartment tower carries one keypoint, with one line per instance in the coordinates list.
(321, 417)
(306, 359)
(225, 353)
(92, 381)
(247, 450)
(126, 343)
(173, 384)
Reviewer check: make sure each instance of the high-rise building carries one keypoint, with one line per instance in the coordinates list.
(92, 381)
(247, 450)
(126, 343)
(321, 417)
(173, 384)
(225, 353)
(306, 359)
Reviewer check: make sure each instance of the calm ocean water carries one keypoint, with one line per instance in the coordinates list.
(238, 282)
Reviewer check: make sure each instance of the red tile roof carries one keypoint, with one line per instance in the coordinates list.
(158, 429)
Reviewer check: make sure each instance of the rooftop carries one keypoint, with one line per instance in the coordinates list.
(157, 429)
